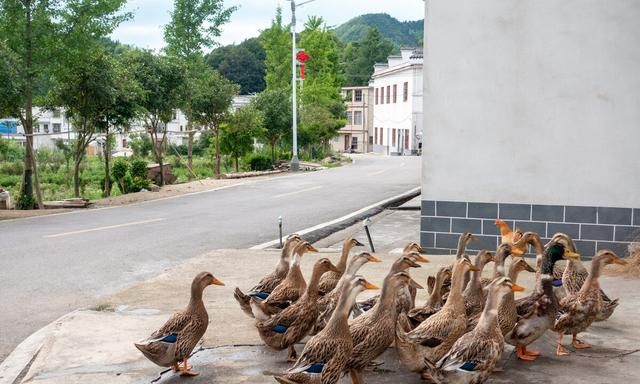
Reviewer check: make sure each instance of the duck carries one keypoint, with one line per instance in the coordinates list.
(373, 332)
(330, 279)
(507, 236)
(541, 309)
(434, 336)
(507, 310)
(503, 252)
(325, 356)
(473, 357)
(575, 274)
(463, 243)
(474, 295)
(171, 345)
(434, 303)
(268, 283)
(577, 312)
(328, 303)
(406, 296)
(288, 291)
(288, 327)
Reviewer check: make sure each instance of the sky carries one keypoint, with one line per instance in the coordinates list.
(145, 29)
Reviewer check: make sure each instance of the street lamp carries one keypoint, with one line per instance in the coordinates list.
(295, 163)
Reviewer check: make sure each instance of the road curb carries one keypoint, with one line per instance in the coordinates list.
(14, 366)
(320, 231)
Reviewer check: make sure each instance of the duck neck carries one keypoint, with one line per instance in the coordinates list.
(489, 318)
(537, 244)
(477, 275)
(548, 261)
(283, 265)
(339, 322)
(436, 294)
(593, 280)
(295, 274)
(513, 273)
(498, 268)
(312, 288)
(342, 263)
(455, 299)
(195, 302)
(387, 296)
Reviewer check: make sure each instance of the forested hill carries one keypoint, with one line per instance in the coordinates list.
(401, 33)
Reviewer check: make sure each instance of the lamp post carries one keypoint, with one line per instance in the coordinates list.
(295, 163)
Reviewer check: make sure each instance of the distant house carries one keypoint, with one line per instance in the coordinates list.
(356, 135)
(397, 103)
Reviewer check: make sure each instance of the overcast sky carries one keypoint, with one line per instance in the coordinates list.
(145, 29)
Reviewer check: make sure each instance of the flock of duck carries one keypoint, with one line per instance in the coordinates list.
(456, 336)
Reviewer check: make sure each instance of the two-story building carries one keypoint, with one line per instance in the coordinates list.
(398, 103)
(356, 135)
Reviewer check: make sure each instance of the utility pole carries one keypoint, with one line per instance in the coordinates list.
(295, 163)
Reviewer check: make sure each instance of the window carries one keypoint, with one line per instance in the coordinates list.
(175, 114)
(405, 92)
(349, 96)
(36, 128)
(371, 139)
(45, 128)
(358, 95)
(388, 94)
(395, 93)
(381, 136)
(56, 128)
(376, 95)
(124, 143)
(406, 139)
(381, 95)
(349, 118)
(56, 113)
(354, 143)
(357, 118)
(181, 128)
(393, 136)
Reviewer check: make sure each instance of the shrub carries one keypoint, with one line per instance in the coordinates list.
(139, 169)
(25, 202)
(8, 181)
(260, 162)
(119, 171)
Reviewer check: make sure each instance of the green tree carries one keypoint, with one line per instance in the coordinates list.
(243, 64)
(162, 80)
(275, 105)
(359, 57)
(276, 41)
(211, 101)
(29, 31)
(195, 25)
(239, 130)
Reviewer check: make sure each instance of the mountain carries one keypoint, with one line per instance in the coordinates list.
(401, 33)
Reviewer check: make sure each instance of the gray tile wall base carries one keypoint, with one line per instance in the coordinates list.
(593, 228)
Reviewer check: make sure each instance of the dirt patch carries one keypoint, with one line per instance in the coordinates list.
(632, 269)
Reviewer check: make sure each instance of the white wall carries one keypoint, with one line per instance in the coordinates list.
(532, 101)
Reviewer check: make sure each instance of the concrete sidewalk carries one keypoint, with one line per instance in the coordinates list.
(95, 345)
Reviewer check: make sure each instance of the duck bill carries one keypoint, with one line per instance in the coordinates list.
(472, 237)
(373, 259)
(529, 268)
(217, 282)
(620, 262)
(356, 243)
(517, 288)
(571, 255)
(413, 264)
(421, 259)
(368, 285)
(516, 251)
(311, 248)
(473, 268)
(333, 268)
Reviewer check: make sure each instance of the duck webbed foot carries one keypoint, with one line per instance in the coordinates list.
(185, 369)
(523, 354)
(560, 351)
(579, 344)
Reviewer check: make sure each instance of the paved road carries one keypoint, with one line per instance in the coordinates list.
(54, 264)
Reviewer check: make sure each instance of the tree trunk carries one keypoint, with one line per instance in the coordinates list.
(107, 178)
(273, 151)
(76, 175)
(237, 168)
(217, 134)
(26, 188)
(190, 155)
(161, 163)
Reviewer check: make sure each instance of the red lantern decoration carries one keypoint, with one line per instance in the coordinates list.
(302, 57)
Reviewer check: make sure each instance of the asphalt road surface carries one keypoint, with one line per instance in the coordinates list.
(52, 265)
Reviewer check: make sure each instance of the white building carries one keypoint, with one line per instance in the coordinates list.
(356, 135)
(50, 126)
(398, 103)
(555, 83)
